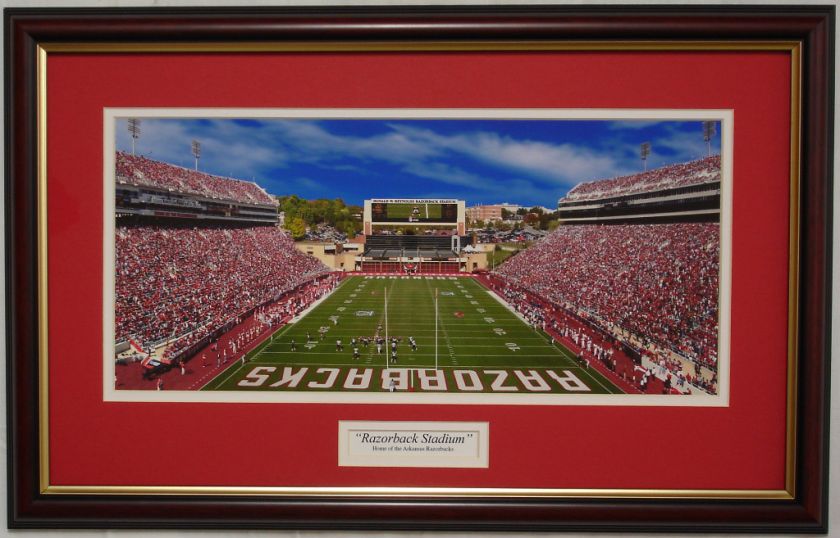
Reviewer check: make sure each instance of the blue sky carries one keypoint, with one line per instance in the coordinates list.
(529, 162)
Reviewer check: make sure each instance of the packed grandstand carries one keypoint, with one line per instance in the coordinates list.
(172, 281)
(667, 177)
(180, 280)
(194, 263)
(657, 282)
(650, 280)
(144, 172)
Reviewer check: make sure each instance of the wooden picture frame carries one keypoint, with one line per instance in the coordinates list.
(804, 32)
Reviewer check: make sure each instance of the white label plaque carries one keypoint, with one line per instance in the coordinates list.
(413, 444)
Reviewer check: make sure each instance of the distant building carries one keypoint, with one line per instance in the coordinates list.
(513, 208)
(484, 212)
(336, 256)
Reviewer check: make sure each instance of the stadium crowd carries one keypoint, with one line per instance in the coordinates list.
(140, 171)
(669, 368)
(668, 177)
(659, 282)
(189, 281)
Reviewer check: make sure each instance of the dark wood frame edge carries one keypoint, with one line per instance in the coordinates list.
(26, 28)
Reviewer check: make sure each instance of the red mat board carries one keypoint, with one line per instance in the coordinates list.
(739, 447)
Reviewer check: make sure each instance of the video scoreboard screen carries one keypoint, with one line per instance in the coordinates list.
(414, 211)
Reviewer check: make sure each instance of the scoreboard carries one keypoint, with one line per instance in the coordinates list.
(417, 212)
(414, 212)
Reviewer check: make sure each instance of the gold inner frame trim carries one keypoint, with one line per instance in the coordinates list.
(425, 492)
(794, 48)
(43, 275)
(793, 266)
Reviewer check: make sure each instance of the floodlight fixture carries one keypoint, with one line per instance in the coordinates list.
(709, 132)
(196, 151)
(134, 131)
(644, 152)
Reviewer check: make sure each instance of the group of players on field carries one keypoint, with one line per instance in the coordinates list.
(365, 341)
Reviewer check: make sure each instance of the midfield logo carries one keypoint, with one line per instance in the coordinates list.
(364, 313)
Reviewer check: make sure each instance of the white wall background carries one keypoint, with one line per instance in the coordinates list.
(835, 396)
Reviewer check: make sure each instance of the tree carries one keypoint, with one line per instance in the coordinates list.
(323, 211)
(532, 219)
(545, 218)
(296, 227)
(353, 230)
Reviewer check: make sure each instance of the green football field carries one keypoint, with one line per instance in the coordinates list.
(427, 211)
(482, 345)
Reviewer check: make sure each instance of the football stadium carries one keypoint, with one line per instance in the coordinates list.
(221, 286)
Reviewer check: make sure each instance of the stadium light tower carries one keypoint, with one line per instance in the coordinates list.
(134, 130)
(644, 152)
(196, 151)
(709, 132)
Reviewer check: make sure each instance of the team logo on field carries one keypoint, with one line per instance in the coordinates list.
(458, 314)
(447, 293)
(364, 313)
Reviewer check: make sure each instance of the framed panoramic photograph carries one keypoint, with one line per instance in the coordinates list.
(266, 264)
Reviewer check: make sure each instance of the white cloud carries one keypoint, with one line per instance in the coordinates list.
(559, 163)
(309, 183)
(227, 149)
(311, 142)
(444, 173)
(682, 145)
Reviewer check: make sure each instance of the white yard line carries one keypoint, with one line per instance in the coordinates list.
(279, 333)
(504, 303)
(226, 379)
(315, 304)
(593, 378)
